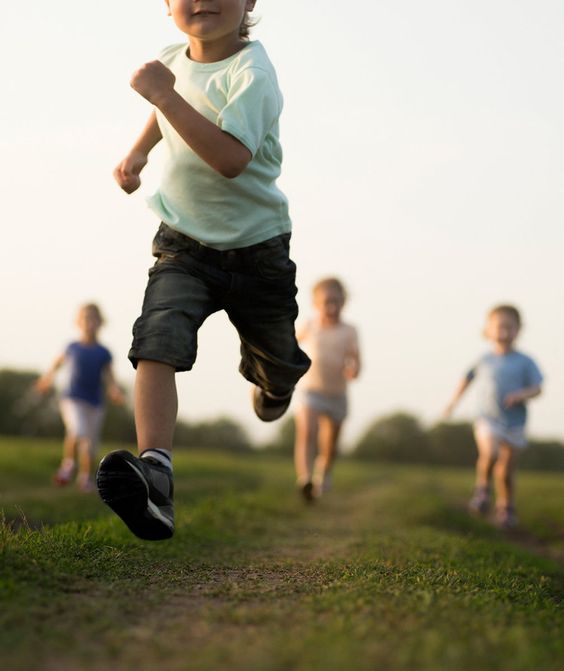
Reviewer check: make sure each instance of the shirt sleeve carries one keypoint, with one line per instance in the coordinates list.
(471, 374)
(253, 107)
(533, 376)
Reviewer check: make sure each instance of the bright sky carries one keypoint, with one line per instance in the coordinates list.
(424, 164)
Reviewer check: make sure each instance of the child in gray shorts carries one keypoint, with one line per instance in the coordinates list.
(506, 380)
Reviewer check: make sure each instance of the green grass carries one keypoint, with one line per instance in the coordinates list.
(388, 572)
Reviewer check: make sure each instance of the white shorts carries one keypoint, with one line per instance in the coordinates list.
(82, 419)
(335, 407)
(514, 436)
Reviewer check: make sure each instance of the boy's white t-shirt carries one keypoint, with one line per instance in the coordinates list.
(240, 94)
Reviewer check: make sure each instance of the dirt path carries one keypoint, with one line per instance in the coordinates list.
(223, 608)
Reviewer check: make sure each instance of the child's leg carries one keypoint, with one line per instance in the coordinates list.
(306, 443)
(65, 471)
(262, 306)
(71, 421)
(329, 431)
(488, 446)
(84, 477)
(156, 405)
(91, 422)
(69, 449)
(504, 473)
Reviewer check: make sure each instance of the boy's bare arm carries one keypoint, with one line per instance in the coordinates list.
(221, 151)
(458, 393)
(522, 395)
(128, 170)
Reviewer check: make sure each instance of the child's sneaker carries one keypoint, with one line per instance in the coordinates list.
(140, 491)
(269, 408)
(506, 517)
(63, 476)
(480, 501)
(306, 491)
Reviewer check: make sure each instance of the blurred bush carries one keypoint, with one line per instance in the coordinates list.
(452, 444)
(283, 441)
(25, 412)
(221, 434)
(543, 455)
(398, 437)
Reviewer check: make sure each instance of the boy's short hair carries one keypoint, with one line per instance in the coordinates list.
(509, 310)
(331, 283)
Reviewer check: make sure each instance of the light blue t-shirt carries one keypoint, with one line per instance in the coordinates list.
(240, 94)
(498, 375)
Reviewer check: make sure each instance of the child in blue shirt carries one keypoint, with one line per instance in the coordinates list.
(82, 401)
(223, 242)
(506, 380)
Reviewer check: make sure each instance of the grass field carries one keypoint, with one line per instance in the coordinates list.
(388, 572)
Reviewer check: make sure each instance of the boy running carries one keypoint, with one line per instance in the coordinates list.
(223, 243)
(507, 379)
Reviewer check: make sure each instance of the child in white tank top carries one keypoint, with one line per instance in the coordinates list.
(332, 346)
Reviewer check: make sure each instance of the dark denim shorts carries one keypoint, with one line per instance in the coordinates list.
(254, 285)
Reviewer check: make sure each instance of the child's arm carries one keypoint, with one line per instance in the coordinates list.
(45, 382)
(458, 393)
(128, 170)
(221, 151)
(522, 395)
(351, 368)
(113, 390)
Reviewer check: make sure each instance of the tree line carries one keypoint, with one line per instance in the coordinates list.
(396, 438)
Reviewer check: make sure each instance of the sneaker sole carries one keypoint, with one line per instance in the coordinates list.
(268, 414)
(124, 488)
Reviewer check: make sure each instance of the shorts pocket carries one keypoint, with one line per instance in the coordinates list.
(273, 260)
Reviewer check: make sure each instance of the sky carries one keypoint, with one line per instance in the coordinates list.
(423, 162)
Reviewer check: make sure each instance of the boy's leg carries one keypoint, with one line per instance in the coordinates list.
(140, 489)
(305, 447)
(488, 446)
(156, 405)
(329, 431)
(181, 293)
(262, 306)
(504, 473)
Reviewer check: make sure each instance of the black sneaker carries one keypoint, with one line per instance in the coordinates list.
(267, 408)
(307, 492)
(139, 491)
